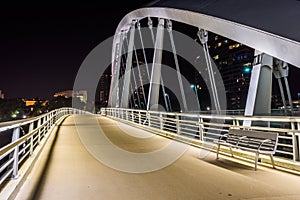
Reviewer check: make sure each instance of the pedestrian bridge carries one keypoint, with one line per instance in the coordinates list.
(149, 153)
(63, 163)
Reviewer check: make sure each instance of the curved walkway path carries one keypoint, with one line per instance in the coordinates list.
(73, 173)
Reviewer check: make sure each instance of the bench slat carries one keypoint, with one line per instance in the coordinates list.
(254, 134)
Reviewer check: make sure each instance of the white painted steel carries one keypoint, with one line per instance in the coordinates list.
(22, 146)
(276, 46)
(199, 128)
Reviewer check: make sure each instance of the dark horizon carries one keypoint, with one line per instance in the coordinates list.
(43, 47)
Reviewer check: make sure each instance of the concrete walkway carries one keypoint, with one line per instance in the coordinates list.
(75, 172)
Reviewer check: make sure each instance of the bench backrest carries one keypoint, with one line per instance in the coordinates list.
(254, 134)
(253, 139)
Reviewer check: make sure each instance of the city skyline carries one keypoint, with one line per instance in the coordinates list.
(43, 48)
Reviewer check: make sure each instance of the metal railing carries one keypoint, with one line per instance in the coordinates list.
(206, 128)
(22, 137)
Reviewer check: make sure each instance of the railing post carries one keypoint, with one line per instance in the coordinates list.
(48, 123)
(295, 146)
(140, 119)
(149, 118)
(31, 138)
(200, 129)
(39, 132)
(235, 122)
(16, 135)
(177, 124)
(161, 122)
(298, 146)
(132, 116)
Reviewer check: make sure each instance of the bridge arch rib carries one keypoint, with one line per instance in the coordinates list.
(274, 45)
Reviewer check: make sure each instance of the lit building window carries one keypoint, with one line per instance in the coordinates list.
(234, 46)
(216, 57)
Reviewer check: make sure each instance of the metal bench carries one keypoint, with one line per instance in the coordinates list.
(258, 142)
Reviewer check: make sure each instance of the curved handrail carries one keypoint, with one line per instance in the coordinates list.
(12, 154)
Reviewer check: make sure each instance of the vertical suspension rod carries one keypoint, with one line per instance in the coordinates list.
(150, 24)
(156, 69)
(203, 36)
(127, 76)
(169, 28)
(114, 88)
(134, 78)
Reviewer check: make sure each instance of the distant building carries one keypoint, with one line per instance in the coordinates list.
(1, 95)
(30, 102)
(81, 94)
(104, 86)
(65, 93)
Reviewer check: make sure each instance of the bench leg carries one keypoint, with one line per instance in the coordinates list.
(272, 160)
(218, 151)
(231, 151)
(256, 160)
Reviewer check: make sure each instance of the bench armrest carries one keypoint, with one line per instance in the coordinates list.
(264, 141)
(223, 136)
(240, 138)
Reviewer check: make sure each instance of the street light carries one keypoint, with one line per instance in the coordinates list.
(195, 88)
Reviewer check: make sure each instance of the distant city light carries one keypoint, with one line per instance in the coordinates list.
(207, 108)
(247, 70)
(192, 86)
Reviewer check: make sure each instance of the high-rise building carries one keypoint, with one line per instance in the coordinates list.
(234, 61)
(104, 86)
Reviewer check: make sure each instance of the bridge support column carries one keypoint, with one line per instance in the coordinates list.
(127, 76)
(156, 69)
(260, 89)
(114, 88)
(281, 70)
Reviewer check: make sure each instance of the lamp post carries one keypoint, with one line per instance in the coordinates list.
(195, 88)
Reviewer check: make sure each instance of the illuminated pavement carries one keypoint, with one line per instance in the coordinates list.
(73, 173)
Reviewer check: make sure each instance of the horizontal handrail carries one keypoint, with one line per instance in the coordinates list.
(208, 127)
(21, 148)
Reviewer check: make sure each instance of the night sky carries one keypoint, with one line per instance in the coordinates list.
(42, 47)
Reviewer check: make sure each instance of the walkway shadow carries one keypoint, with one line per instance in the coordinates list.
(39, 184)
(236, 165)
